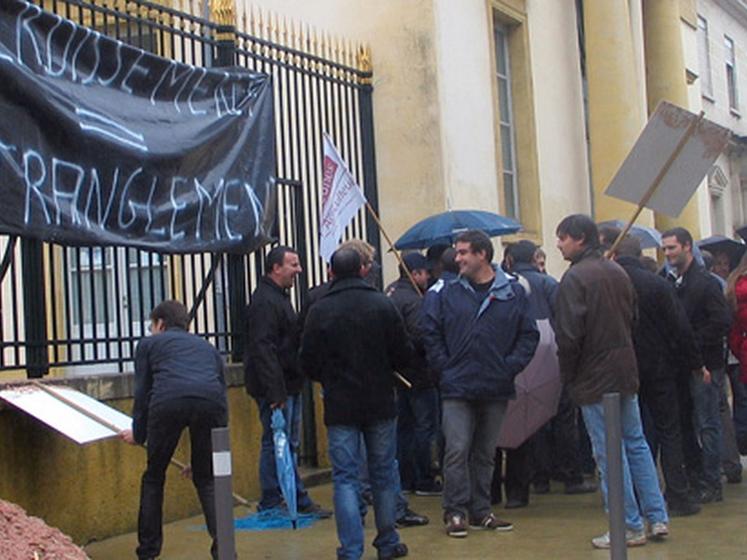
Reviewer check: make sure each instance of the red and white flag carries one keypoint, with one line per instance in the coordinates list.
(341, 200)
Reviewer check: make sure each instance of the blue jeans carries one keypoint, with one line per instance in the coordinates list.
(707, 425)
(402, 504)
(344, 453)
(639, 472)
(268, 479)
(417, 430)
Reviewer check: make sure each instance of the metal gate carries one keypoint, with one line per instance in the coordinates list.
(83, 309)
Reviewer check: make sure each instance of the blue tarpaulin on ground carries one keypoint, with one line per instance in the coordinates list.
(276, 518)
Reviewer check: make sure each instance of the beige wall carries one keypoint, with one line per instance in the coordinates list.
(559, 112)
(434, 104)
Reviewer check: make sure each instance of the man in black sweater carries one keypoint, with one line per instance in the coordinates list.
(179, 384)
(706, 309)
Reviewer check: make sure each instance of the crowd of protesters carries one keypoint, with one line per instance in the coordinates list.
(416, 380)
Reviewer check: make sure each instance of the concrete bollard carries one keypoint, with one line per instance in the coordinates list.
(615, 497)
(223, 494)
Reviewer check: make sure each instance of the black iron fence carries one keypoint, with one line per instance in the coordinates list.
(84, 308)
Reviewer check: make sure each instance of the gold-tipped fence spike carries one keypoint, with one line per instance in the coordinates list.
(223, 12)
(364, 63)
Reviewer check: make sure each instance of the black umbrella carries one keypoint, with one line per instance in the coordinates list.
(720, 244)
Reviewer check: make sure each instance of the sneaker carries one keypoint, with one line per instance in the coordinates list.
(456, 525)
(658, 531)
(399, 551)
(411, 519)
(316, 510)
(492, 523)
(632, 538)
(433, 488)
(585, 487)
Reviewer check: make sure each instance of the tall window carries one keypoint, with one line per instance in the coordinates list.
(507, 132)
(704, 58)
(731, 73)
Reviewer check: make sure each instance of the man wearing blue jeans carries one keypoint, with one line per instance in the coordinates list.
(272, 373)
(594, 313)
(353, 340)
(706, 309)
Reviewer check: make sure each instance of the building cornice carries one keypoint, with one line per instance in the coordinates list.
(735, 8)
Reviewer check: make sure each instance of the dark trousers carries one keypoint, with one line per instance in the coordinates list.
(661, 425)
(517, 476)
(166, 422)
(556, 452)
(417, 432)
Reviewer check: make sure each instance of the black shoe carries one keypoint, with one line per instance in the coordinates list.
(411, 519)
(584, 487)
(434, 488)
(317, 510)
(683, 509)
(515, 503)
(541, 487)
(710, 495)
(734, 477)
(399, 551)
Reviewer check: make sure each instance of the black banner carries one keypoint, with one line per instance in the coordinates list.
(102, 143)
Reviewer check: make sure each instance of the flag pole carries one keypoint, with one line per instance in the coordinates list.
(393, 250)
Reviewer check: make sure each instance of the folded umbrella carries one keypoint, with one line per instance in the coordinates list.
(445, 227)
(537, 393)
(649, 237)
(285, 464)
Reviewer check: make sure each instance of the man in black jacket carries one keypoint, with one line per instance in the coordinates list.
(417, 419)
(709, 317)
(179, 384)
(272, 372)
(353, 340)
(661, 332)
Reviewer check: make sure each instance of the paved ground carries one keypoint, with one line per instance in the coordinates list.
(553, 527)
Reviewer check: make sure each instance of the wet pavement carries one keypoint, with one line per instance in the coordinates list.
(554, 526)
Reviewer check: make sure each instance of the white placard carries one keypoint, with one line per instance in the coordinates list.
(652, 150)
(64, 418)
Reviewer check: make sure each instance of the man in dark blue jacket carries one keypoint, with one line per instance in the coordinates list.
(179, 384)
(478, 337)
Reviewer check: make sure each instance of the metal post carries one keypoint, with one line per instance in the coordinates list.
(34, 308)
(223, 494)
(615, 497)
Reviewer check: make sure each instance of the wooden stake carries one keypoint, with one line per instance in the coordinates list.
(655, 185)
(113, 427)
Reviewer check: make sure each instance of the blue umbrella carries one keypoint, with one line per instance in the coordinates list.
(285, 464)
(649, 237)
(445, 227)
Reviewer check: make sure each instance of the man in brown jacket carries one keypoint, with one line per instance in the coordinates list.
(595, 310)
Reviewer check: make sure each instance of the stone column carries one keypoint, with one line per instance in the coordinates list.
(666, 80)
(617, 111)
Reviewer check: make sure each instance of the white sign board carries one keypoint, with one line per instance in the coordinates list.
(64, 418)
(654, 147)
